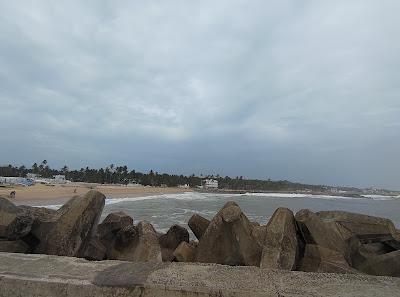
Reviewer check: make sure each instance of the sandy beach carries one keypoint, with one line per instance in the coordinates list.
(58, 194)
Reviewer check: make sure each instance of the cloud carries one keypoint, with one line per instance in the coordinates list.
(294, 90)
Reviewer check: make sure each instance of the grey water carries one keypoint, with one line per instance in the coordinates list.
(166, 210)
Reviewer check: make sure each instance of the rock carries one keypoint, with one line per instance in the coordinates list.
(396, 235)
(185, 252)
(228, 239)
(320, 259)
(378, 248)
(170, 241)
(137, 244)
(28, 217)
(126, 235)
(16, 221)
(259, 233)
(392, 243)
(111, 225)
(386, 264)
(69, 231)
(120, 245)
(167, 255)
(198, 225)
(281, 247)
(94, 250)
(327, 234)
(36, 214)
(17, 246)
(20, 226)
(366, 228)
(8, 213)
(363, 255)
(175, 235)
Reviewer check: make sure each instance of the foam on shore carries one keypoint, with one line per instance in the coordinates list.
(204, 196)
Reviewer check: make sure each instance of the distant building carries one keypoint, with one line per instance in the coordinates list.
(134, 184)
(10, 180)
(32, 175)
(59, 177)
(185, 186)
(211, 184)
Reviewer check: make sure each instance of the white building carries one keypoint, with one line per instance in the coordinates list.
(59, 177)
(10, 180)
(32, 175)
(185, 186)
(211, 184)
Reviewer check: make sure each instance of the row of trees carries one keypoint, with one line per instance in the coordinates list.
(122, 175)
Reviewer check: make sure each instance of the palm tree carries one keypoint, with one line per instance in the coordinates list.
(64, 170)
(35, 168)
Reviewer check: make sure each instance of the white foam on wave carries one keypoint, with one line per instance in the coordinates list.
(282, 195)
(381, 197)
(314, 196)
(53, 206)
(212, 196)
(179, 196)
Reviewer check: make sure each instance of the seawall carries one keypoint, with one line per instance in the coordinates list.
(44, 275)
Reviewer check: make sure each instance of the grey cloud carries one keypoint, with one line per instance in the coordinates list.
(304, 91)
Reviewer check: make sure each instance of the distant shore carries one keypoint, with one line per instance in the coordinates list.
(41, 195)
(301, 192)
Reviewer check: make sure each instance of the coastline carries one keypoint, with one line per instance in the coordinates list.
(42, 195)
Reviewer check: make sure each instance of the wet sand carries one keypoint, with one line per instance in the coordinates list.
(59, 194)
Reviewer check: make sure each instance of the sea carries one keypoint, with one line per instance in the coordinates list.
(166, 210)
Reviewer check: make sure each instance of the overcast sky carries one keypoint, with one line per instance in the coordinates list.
(306, 90)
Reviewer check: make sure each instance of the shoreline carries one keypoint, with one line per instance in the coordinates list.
(43, 195)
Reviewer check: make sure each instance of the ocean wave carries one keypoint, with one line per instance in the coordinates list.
(381, 197)
(180, 196)
(315, 196)
(52, 206)
(282, 195)
(187, 196)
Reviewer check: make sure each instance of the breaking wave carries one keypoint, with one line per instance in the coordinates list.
(187, 196)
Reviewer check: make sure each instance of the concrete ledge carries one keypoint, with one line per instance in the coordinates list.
(43, 275)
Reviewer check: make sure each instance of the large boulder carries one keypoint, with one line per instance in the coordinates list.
(229, 240)
(175, 235)
(114, 222)
(281, 246)
(198, 225)
(386, 264)
(107, 231)
(27, 218)
(94, 250)
(259, 233)
(16, 246)
(327, 234)
(366, 228)
(38, 213)
(136, 244)
(68, 232)
(20, 227)
(170, 241)
(365, 256)
(185, 252)
(320, 259)
(8, 213)
(16, 221)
